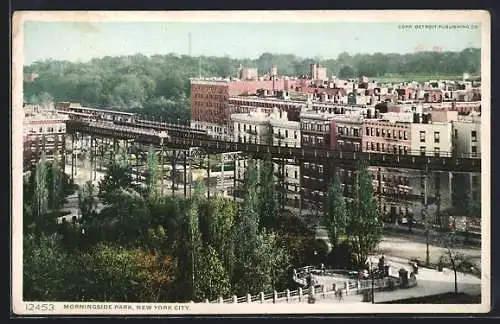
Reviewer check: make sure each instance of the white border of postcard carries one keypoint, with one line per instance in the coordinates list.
(410, 16)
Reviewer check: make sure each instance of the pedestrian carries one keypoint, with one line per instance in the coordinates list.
(340, 296)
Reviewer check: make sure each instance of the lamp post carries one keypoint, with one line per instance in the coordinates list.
(373, 280)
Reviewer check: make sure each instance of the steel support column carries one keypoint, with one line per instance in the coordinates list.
(437, 186)
(185, 173)
(72, 157)
(208, 176)
(172, 175)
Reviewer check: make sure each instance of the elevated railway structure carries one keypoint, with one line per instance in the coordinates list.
(178, 144)
(184, 139)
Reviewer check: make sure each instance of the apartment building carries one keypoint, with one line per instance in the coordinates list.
(318, 72)
(287, 133)
(386, 135)
(43, 133)
(466, 132)
(467, 136)
(348, 130)
(262, 127)
(431, 138)
(210, 100)
(315, 176)
(408, 193)
(245, 104)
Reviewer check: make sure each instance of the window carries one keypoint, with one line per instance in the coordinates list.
(367, 131)
(422, 136)
(295, 176)
(383, 147)
(436, 137)
(378, 132)
(239, 127)
(356, 146)
(399, 135)
(286, 133)
(371, 131)
(295, 135)
(436, 151)
(473, 135)
(367, 146)
(378, 146)
(244, 127)
(383, 132)
(372, 146)
(456, 133)
(405, 135)
(474, 150)
(422, 150)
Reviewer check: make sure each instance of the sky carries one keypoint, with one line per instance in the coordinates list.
(82, 41)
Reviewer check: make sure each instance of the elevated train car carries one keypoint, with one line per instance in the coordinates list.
(172, 129)
(100, 114)
(131, 120)
(78, 116)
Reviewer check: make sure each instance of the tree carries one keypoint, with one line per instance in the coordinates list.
(347, 72)
(126, 219)
(247, 227)
(137, 82)
(269, 210)
(107, 274)
(365, 225)
(212, 279)
(156, 238)
(40, 195)
(337, 214)
(195, 241)
(42, 280)
(55, 181)
(217, 225)
(270, 270)
(87, 200)
(457, 260)
(116, 177)
(295, 238)
(156, 275)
